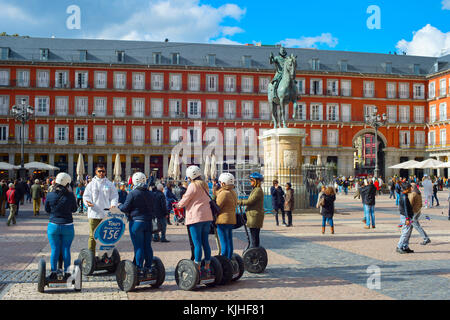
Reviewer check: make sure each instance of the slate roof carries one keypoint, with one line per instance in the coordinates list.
(226, 56)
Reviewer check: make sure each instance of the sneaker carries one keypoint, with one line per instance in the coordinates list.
(425, 242)
(401, 251)
(67, 276)
(366, 227)
(408, 250)
(284, 223)
(373, 227)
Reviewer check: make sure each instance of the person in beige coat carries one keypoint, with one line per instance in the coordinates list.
(226, 199)
(289, 203)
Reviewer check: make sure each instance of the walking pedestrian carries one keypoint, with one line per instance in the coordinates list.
(289, 203)
(391, 185)
(170, 198)
(12, 203)
(427, 191)
(160, 212)
(327, 203)
(36, 196)
(415, 198)
(3, 202)
(277, 194)
(434, 196)
(368, 194)
(407, 211)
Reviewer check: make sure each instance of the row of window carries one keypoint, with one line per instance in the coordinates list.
(442, 112)
(442, 88)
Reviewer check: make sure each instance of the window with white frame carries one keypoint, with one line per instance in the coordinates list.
(230, 136)
(443, 137)
(80, 135)
(442, 88)
(157, 137)
(41, 133)
(247, 84)
(62, 106)
(443, 111)
(81, 106)
(43, 78)
(156, 106)
(264, 112)
(42, 106)
(100, 135)
(212, 109)
(419, 114)
(175, 108)
(211, 82)
(4, 105)
(120, 80)
(263, 84)
(4, 133)
(391, 88)
(81, 79)
(316, 138)
(333, 138)
(61, 79)
(138, 107)
(138, 81)
(119, 107)
(316, 112)
(403, 113)
(419, 138)
(176, 134)
(301, 85)
(369, 89)
(332, 87)
(175, 82)
(100, 106)
(346, 88)
(368, 110)
(138, 135)
(332, 112)
(23, 78)
(433, 117)
(404, 138)
(100, 79)
(194, 108)
(19, 133)
(316, 87)
(157, 81)
(403, 90)
(301, 111)
(346, 110)
(247, 109)
(194, 82)
(119, 134)
(229, 109)
(230, 83)
(432, 138)
(4, 77)
(419, 91)
(61, 134)
(432, 90)
(391, 114)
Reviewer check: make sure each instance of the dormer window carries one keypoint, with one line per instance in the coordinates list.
(156, 57)
(4, 53)
(44, 54)
(343, 65)
(315, 64)
(436, 67)
(246, 61)
(211, 59)
(120, 56)
(388, 67)
(83, 55)
(175, 58)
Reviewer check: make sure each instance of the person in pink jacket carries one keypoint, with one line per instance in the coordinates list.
(198, 217)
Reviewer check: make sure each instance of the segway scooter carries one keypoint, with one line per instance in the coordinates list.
(70, 280)
(108, 233)
(255, 259)
(188, 277)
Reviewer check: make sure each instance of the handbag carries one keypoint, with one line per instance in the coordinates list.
(215, 209)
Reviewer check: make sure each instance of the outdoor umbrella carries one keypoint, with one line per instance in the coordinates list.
(405, 165)
(170, 169)
(445, 165)
(7, 166)
(428, 164)
(39, 166)
(207, 167)
(117, 169)
(80, 167)
(213, 167)
(176, 167)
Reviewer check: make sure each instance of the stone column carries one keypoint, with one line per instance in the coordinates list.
(109, 166)
(70, 166)
(11, 161)
(147, 164)
(307, 159)
(51, 161)
(90, 169)
(127, 166)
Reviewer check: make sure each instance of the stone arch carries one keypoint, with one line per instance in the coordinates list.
(370, 130)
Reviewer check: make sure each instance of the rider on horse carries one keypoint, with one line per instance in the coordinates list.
(279, 65)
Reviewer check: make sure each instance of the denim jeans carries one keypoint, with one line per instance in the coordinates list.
(141, 237)
(416, 224)
(403, 243)
(325, 220)
(397, 198)
(434, 196)
(391, 194)
(225, 233)
(199, 233)
(60, 237)
(369, 214)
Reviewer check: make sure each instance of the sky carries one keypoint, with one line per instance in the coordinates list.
(404, 26)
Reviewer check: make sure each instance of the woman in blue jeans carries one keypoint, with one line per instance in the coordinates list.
(139, 208)
(327, 203)
(60, 204)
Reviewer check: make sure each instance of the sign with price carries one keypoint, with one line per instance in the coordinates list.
(109, 231)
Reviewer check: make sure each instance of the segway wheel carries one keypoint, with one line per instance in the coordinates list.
(41, 276)
(126, 276)
(216, 270)
(186, 275)
(78, 276)
(255, 260)
(160, 271)
(87, 259)
(240, 263)
(115, 258)
(227, 269)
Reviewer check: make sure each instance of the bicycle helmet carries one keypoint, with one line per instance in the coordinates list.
(63, 179)
(139, 178)
(226, 178)
(256, 175)
(193, 172)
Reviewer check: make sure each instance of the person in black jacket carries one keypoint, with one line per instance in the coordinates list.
(60, 204)
(406, 210)
(326, 201)
(368, 193)
(139, 208)
(160, 212)
(277, 200)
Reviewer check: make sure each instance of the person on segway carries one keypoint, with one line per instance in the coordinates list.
(60, 204)
(139, 208)
(99, 194)
(255, 208)
(198, 218)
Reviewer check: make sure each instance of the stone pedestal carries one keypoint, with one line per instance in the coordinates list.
(283, 161)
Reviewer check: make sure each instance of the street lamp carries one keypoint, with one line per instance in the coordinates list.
(22, 112)
(375, 121)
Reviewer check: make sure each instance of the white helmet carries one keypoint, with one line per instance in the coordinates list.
(139, 178)
(226, 178)
(193, 172)
(63, 179)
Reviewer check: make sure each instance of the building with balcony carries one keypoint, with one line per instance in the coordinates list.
(138, 99)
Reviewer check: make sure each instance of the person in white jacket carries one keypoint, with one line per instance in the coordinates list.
(99, 195)
(427, 191)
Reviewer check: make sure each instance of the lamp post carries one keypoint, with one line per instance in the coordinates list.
(22, 112)
(375, 121)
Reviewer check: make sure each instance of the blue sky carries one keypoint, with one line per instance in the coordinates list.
(416, 27)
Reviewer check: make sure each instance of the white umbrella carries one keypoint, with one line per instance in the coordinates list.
(39, 166)
(80, 167)
(117, 169)
(405, 165)
(176, 167)
(445, 165)
(8, 166)
(319, 160)
(213, 167)
(170, 169)
(428, 164)
(207, 167)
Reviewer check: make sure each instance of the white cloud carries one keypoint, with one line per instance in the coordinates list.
(311, 42)
(445, 4)
(15, 14)
(223, 40)
(428, 41)
(177, 20)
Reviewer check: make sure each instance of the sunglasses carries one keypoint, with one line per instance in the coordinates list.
(101, 171)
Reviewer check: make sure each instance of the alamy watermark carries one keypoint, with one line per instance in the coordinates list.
(74, 20)
(374, 20)
(374, 280)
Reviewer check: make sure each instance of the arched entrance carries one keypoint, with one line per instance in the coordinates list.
(365, 155)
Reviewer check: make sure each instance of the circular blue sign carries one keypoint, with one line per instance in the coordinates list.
(110, 231)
